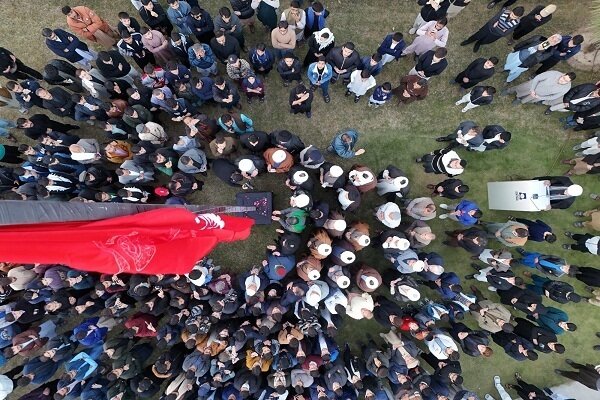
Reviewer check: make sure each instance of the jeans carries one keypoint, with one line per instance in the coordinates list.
(4, 126)
(212, 70)
(279, 53)
(325, 87)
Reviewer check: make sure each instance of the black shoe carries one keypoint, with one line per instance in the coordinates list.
(558, 372)
(356, 99)
(569, 361)
(442, 139)
(476, 47)
(332, 81)
(596, 347)
(346, 81)
(286, 84)
(569, 234)
(308, 114)
(327, 99)
(469, 277)
(464, 43)
(347, 93)
(418, 160)
(598, 334)
(548, 111)
(261, 99)
(476, 267)
(566, 246)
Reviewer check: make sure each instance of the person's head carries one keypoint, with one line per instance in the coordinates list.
(68, 11)
(288, 59)
(317, 7)
(452, 354)
(219, 82)
(199, 50)
(147, 33)
(365, 74)
(173, 4)
(490, 90)
(225, 14)
(104, 56)
(575, 41)
(441, 23)
(549, 237)
(555, 39)
(124, 18)
(457, 163)
(531, 355)
(233, 60)
(386, 87)
(490, 62)
(321, 62)
(397, 37)
(347, 49)
(14, 87)
(440, 53)
(517, 12)
(43, 93)
(282, 27)
(220, 37)
(48, 33)
(566, 78)
(521, 232)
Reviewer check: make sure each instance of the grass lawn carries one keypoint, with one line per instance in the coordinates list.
(391, 136)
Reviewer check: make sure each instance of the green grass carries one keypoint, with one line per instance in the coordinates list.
(390, 135)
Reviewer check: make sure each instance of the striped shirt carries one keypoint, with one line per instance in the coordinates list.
(505, 23)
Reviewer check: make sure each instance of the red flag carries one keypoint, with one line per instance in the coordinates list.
(165, 241)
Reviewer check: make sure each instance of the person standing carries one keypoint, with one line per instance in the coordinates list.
(68, 46)
(202, 25)
(319, 44)
(230, 24)
(586, 374)
(177, 13)
(502, 24)
(155, 17)
(202, 58)
(412, 88)
(478, 96)
(113, 65)
(391, 48)
(567, 48)
(319, 74)
(547, 88)
(157, 44)
(13, 68)
(296, 18)
(85, 22)
(132, 45)
(343, 144)
(537, 17)
(528, 53)
(478, 71)
(301, 100)
(430, 63)
(283, 39)
(316, 16)
(430, 35)
(266, 12)
(360, 83)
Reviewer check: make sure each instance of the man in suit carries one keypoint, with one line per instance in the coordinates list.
(562, 191)
(58, 101)
(13, 68)
(68, 46)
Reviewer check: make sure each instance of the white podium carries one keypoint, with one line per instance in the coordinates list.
(518, 196)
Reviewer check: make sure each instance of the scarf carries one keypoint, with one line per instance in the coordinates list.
(323, 42)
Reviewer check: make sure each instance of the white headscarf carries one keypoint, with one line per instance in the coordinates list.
(323, 42)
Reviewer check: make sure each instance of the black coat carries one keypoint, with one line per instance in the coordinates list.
(223, 169)
(475, 72)
(61, 103)
(112, 71)
(578, 92)
(425, 64)
(530, 331)
(261, 144)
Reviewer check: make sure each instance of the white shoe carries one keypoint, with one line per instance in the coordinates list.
(444, 206)
(464, 110)
(443, 216)
(457, 103)
(488, 397)
(412, 31)
(496, 380)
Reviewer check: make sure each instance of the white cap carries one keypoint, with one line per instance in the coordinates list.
(342, 281)
(348, 257)
(301, 200)
(300, 176)
(246, 165)
(363, 240)
(279, 156)
(324, 249)
(370, 281)
(418, 266)
(336, 171)
(313, 295)
(436, 269)
(314, 274)
(401, 181)
(574, 190)
(339, 224)
(412, 293)
(249, 280)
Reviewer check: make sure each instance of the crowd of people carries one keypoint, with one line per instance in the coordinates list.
(271, 332)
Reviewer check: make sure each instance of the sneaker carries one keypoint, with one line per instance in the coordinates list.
(488, 397)
(548, 111)
(464, 110)
(443, 216)
(497, 380)
(578, 224)
(326, 99)
(457, 103)
(261, 99)
(566, 246)
(516, 102)
(412, 31)
(594, 196)
(347, 93)
(577, 147)
(444, 206)
(356, 99)
(568, 234)
(308, 114)
(579, 154)
(286, 84)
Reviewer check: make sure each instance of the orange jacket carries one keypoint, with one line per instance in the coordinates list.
(87, 23)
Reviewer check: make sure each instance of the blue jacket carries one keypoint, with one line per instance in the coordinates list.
(238, 129)
(385, 47)
(464, 207)
(313, 75)
(375, 69)
(380, 95)
(205, 62)
(321, 19)
(343, 149)
(205, 93)
(545, 263)
(448, 278)
(178, 17)
(563, 47)
(69, 42)
(83, 364)
(95, 337)
(551, 318)
(536, 228)
(265, 61)
(287, 262)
